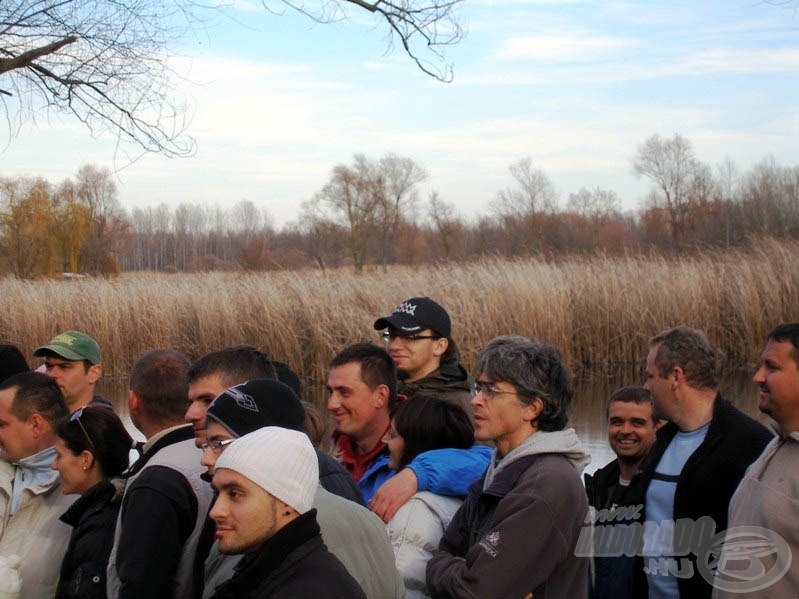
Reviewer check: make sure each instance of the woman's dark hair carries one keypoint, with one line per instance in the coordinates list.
(426, 423)
(102, 434)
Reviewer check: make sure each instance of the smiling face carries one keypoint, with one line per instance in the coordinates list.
(201, 393)
(16, 436)
(78, 472)
(396, 446)
(778, 378)
(631, 430)
(246, 516)
(359, 411)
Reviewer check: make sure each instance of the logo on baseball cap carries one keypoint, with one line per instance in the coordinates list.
(71, 345)
(417, 314)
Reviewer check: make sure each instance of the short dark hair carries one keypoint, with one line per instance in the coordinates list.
(110, 442)
(535, 369)
(158, 378)
(633, 394)
(690, 350)
(787, 332)
(240, 363)
(377, 367)
(36, 393)
(426, 423)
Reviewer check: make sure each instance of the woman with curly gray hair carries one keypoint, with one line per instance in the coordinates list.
(516, 533)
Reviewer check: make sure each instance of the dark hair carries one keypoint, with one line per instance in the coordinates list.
(110, 442)
(239, 363)
(377, 367)
(158, 378)
(787, 332)
(690, 350)
(36, 393)
(426, 423)
(636, 395)
(11, 361)
(535, 369)
(451, 353)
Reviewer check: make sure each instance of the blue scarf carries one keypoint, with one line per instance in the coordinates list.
(30, 472)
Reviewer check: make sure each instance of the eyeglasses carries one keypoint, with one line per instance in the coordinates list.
(75, 417)
(388, 337)
(216, 445)
(487, 390)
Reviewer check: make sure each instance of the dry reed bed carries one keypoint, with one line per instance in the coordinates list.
(599, 311)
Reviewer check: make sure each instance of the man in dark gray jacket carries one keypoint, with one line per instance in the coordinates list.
(516, 533)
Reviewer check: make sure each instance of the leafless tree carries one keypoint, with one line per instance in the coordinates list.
(446, 223)
(422, 27)
(106, 63)
(596, 204)
(522, 207)
(672, 166)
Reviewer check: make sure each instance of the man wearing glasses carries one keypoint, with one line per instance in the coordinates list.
(516, 533)
(31, 407)
(418, 336)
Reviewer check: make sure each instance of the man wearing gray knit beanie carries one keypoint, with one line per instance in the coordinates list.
(266, 482)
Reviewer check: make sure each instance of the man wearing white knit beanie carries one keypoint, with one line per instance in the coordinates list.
(266, 481)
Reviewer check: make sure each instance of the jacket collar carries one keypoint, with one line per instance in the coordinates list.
(176, 435)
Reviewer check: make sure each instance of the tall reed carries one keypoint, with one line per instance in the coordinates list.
(598, 311)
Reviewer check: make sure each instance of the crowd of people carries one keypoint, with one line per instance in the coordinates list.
(442, 484)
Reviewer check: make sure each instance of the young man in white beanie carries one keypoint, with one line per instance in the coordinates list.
(266, 482)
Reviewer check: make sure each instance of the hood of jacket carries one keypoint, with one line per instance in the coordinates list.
(563, 442)
(450, 375)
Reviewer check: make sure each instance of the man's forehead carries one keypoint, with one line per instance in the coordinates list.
(619, 408)
(209, 384)
(350, 371)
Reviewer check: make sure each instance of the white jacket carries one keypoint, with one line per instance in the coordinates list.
(35, 533)
(415, 531)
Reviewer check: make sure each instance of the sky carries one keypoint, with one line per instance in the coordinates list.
(276, 101)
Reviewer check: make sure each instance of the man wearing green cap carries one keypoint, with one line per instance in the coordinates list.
(73, 360)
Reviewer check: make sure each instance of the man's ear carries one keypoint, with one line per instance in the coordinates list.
(440, 346)
(133, 401)
(94, 373)
(679, 376)
(39, 426)
(533, 410)
(380, 396)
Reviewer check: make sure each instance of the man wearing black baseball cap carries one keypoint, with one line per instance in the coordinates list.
(418, 336)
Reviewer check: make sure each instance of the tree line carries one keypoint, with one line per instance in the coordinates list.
(370, 213)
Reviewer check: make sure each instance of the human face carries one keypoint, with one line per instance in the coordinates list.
(631, 430)
(416, 358)
(77, 471)
(396, 446)
(359, 411)
(246, 516)
(505, 420)
(201, 393)
(74, 380)
(661, 388)
(215, 432)
(778, 378)
(16, 436)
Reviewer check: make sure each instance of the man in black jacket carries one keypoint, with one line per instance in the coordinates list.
(632, 424)
(165, 503)
(266, 481)
(694, 467)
